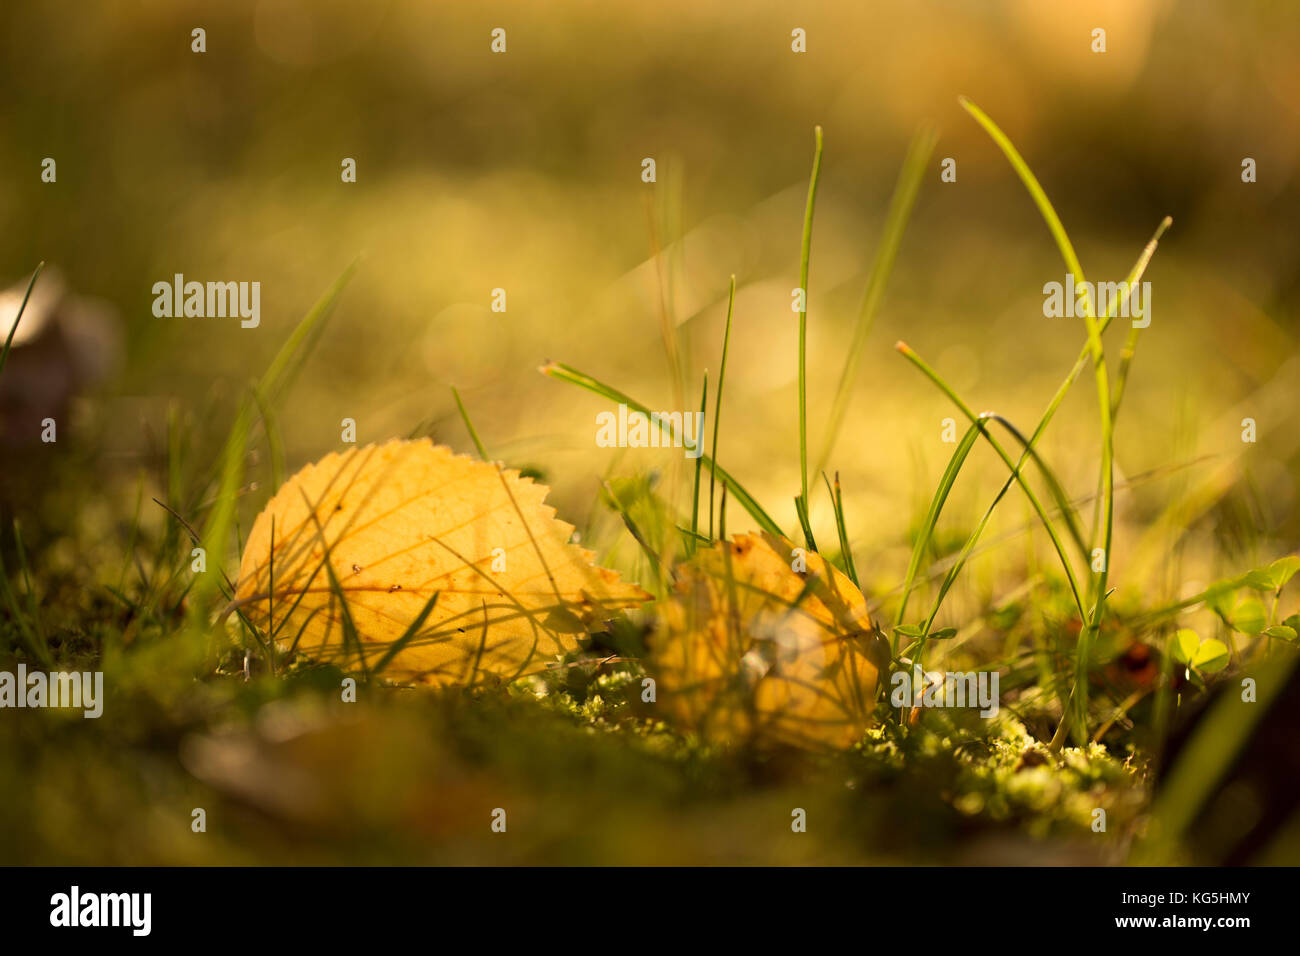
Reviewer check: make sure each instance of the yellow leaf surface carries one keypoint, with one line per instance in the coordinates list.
(399, 522)
(749, 649)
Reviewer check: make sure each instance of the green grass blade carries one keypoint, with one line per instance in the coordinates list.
(1135, 274)
(279, 374)
(717, 400)
(1106, 481)
(901, 205)
(274, 440)
(408, 635)
(33, 606)
(924, 536)
(634, 529)
(1062, 500)
(13, 329)
(469, 425)
(846, 552)
(1031, 183)
(25, 619)
(565, 373)
(801, 509)
(968, 548)
(175, 462)
(688, 534)
(288, 361)
(351, 636)
(805, 251)
(270, 599)
(221, 517)
(1135, 331)
(695, 495)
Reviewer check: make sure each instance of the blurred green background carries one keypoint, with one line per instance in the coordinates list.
(522, 171)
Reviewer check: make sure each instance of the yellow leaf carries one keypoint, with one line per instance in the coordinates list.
(399, 522)
(749, 649)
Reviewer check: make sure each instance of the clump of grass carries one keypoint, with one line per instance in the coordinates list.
(159, 631)
(1072, 542)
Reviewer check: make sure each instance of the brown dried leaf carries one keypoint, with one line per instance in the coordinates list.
(748, 649)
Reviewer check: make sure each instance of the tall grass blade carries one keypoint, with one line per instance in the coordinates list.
(926, 532)
(280, 374)
(695, 494)
(469, 425)
(846, 552)
(717, 400)
(565, 373)
(1105, 501)
(270, 387)
(13, 329)
(1062, 500)
(805, 251)
(901, 205)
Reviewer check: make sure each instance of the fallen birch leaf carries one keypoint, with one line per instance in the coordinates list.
(430, 566)
(749, 649)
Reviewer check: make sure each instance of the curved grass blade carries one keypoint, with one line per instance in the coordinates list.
(565, 373)
(901, 204)
(968, 548)
(1106, 480)
(1053, 483)
(1031, 184)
